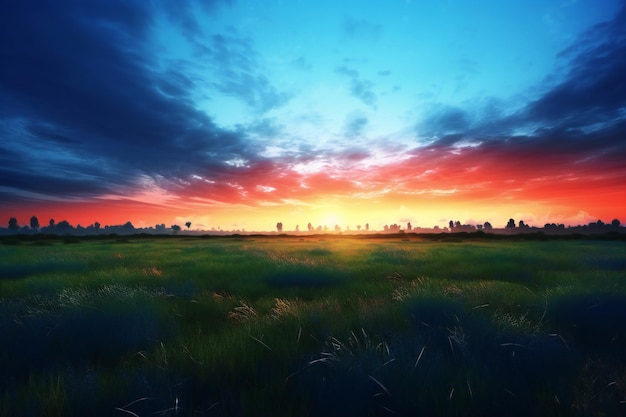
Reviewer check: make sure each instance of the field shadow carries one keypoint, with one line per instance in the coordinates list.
(12, 271)
(449, 361)
(40, 337)
(594, 322)
(305, 278)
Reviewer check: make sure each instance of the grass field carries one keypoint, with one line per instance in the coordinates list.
(312, 327)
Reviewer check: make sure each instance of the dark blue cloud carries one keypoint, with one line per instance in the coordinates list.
(79, 80)
(183, 14)
(582, 113)
(447, 120)
(594, 90)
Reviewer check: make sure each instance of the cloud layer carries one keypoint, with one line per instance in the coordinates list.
(86, 100)
(113, 100)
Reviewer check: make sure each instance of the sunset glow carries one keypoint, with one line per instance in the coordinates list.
(237, 115)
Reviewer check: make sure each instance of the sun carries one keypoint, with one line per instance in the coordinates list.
(331, 220)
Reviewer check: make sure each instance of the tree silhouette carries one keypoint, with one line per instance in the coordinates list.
(64, 226)
(13, 226)
(510, 224)
(616, 223)
(487, 226)
(279, 227)
(188, 224)
(309, 227)
(175, 228)
(128, 227)
(34, 223)
(451, 224)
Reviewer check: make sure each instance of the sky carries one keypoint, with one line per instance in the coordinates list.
(236, 115)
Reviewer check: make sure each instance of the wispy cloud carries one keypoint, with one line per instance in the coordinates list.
(360, 88)
(234, 60)
(355, 124)
(361, 29)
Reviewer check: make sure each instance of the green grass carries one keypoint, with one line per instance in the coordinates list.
(285, 326)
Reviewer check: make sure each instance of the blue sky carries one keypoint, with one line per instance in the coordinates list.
(235, 113)
(351, 71)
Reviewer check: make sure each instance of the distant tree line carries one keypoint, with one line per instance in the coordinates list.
(456, 226)
(65, 228)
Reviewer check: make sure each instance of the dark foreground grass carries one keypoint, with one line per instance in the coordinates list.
(335, 327)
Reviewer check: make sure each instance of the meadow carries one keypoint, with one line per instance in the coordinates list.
(312, 326)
